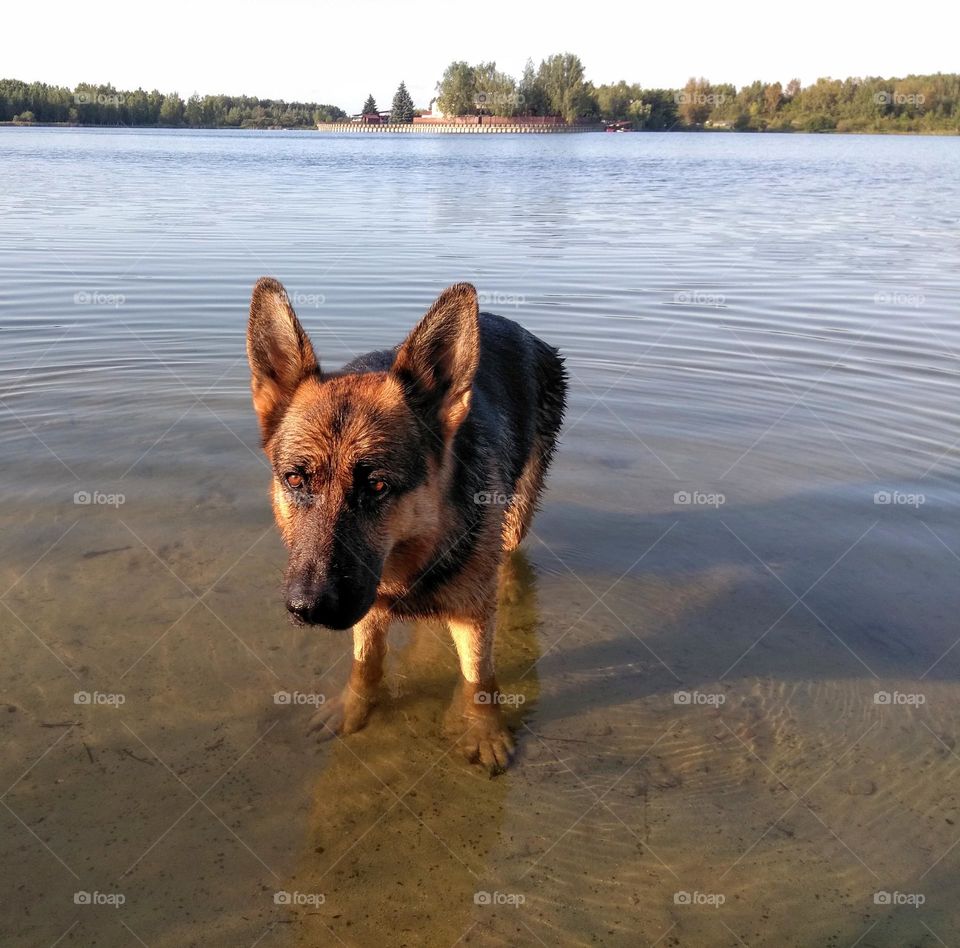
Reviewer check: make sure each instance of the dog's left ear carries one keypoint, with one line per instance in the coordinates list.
(438, 360)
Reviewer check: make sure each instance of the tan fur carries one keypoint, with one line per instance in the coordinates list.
(282, 512)
(329, 427)
(284, 348)
(370, 636)
(520, 511)
(474, 641)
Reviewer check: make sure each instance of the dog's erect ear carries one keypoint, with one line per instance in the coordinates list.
(278, 350)
(438, 360)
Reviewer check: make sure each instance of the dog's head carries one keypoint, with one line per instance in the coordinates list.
(357, 458)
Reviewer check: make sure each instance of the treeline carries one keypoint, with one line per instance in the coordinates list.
(873, 104)
(91, 104)
(558, 86)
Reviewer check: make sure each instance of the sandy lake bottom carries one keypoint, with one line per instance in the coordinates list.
(732, 635)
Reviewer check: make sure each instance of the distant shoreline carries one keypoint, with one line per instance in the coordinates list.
(557, 93)
(345, 129)
(457, 128)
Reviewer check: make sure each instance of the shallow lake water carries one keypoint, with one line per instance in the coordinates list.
(734, 626)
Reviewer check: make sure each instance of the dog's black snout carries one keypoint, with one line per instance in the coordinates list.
(330, 597)
(307, 600)
(313, 602)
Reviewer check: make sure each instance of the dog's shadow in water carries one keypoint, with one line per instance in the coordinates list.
(717, 598)
(397, 812)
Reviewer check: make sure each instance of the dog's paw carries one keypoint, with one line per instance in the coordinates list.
(480, 733)
(489, 743)
(346, 713)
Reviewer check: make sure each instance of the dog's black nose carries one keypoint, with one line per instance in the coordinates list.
(299, 606)
(317, 600)
(313, 602)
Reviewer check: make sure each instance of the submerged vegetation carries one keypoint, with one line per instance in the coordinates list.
(557, 87)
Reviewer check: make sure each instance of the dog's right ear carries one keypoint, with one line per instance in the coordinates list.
(279, 353)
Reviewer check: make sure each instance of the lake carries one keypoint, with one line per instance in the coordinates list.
(734, 626)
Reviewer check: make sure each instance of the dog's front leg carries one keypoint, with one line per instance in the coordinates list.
(348, 712)
(474, 719)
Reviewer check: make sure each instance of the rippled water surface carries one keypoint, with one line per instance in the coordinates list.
(734, 626)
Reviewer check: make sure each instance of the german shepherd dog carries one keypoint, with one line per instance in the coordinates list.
(402, 481)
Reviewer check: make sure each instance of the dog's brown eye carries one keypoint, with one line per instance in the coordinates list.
(293, 480)
(378, 487)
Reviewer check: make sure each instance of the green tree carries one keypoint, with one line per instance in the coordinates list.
(622, 102)
(171, 112)
(561, 76)
(532, 97)
(615, 100)
(193, 114)
(495, 92)
(402, 109)
(136, 108)
(587, 106)
(695, 101)
(457, 90)
(370, 106)
(819, 123)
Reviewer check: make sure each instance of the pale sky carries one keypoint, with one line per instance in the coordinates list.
(338, 52)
